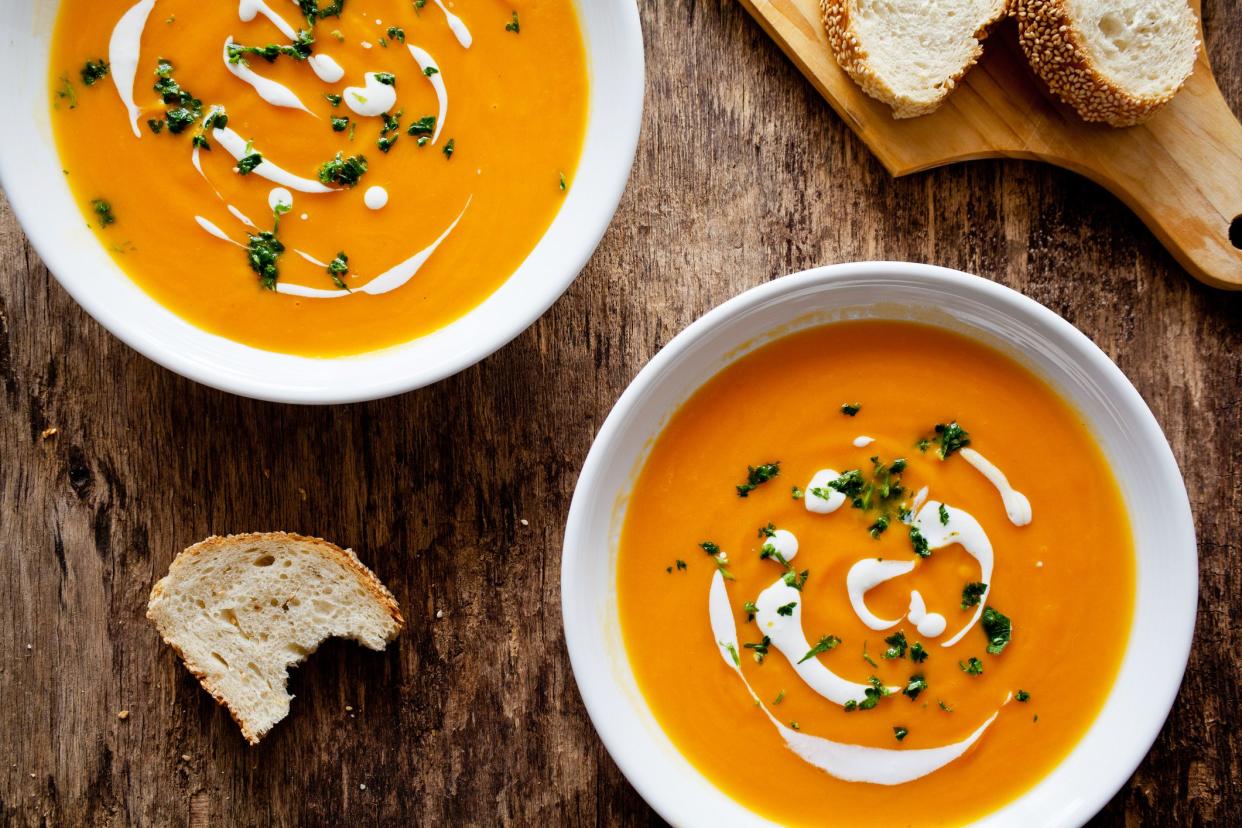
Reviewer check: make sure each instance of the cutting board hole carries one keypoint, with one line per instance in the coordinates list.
(1235, 232)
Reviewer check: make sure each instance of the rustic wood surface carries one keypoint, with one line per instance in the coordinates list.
(456, 494)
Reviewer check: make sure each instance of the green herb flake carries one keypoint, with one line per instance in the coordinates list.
(944, 706)
(337, 270)
(851, 409)
(431, 70)
(786, 609)
(916, 685)
(103, 211)
(900, 733)
(879, 527)
(760, 649)
(449, 148)
(780, 697)
(386, 78)
(247, 163)
(340, 124)
(423, 126)
(918, 654)
(710, 547)
(921, 547)
(797, 580)
(681, 564)
(263, 253)
(944, 515)
(333, 99)
(950, 437)
(1022, 696)
(563, 185)
(826, 643)
(896, 645)
(94, 71)
(998, 628)
(396, 33)
(972, 594)
(737, 662)
(796, 493)
(757, 476)
(342, 171)
(513, 25)
(868, 658)
(971, 667)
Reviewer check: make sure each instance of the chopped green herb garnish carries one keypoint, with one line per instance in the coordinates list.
(333, 99)
(850, 706)
(757, 476)
(396, 33)
(386, 78)
(793, 725)
(826, 643)
(563, 184)
(851, 409)
(917, 653)
(768, 531)
(849, 484)
(423, 126)
(513, 25)
(343, 171)
(998, 628)
(786, 609)
(681, 564)
(873, 694)
(900, 733)
(431, 70)
(796, 580)
(916, 685)
(1022, 696)
(449, 148)
(340, 124)
(943, 706)
(750, 608)
(67, 93)
(313, 11)
(868, 658)
(723, 568)
(155, 125)
(737, 662)
(760, 649)
(780, 697)
(300, 49)
(921, 547)
(338, 268)
(247, 163)
(878, 528)
(972, 593)
(264, 251)
(796, 493)
(944, 515)
(709, 547)
(950, 438)
(103, 210)
(896, 645)
(385, 142)
(972, 666)
(94, 71)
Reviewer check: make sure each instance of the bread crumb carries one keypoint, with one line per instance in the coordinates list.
(29, 646)
(439, 613)
(302, 493)
(32, 776)
(185, 757)
(348, 708)
(49, 432)
(362, 786)
(524, 522)
(123, 715)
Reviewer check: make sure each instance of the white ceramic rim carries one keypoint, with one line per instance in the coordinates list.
(31, 177)
(1122, 733)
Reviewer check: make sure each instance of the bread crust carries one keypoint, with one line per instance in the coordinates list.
(215, 543)
(854, 59)
(1057, 53)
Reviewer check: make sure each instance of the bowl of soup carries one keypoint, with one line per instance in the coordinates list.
(319, 201)
(881, 544)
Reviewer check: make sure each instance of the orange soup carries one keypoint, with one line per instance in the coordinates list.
(875, 573)
(319, 179)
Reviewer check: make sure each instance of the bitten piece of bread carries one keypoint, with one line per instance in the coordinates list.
(1116, 62)
(909, 53)
(241, 610)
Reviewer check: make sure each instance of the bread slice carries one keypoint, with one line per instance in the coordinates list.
(1117, 61)
(241, 610)
(909, 53)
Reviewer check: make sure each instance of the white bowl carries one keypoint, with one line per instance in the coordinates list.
(1167, 563)
(30, 172)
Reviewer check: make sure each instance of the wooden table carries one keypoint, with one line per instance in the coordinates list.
(456, 494)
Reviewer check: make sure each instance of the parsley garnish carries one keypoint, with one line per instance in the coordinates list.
(796, 580)
(396, 33)
(796, 493)
(851, 409)
(709, 547)
(386, 78)
(343, 171)
(300, 49)
(186, 110)
(513, 25)
(972, 666)
(449, 148)
(868, 658)
(1022, 696)
(93, 71)
(337, 268)
(760, 648)
(946, 708)
(919, 543)
(997, 628)
(563, 184)
(155, 125)
(896, 645)
(917, 653)
(423, 126)
(737, 662)
(247, 163)
(66, 92)
(950, 438)
(779, 697)
(916, 685)
(768, 531)
(680, 564)
(333, 99)
(340, 124)
(972, 593)
(849, 484)
(431, 70)
(873, 694)
(826, 643)
(757, 476)
(314, 12)
(104, 211)
(723, 568)
(263, 252)
(900, 733)
(878, 528)
(944, 515)
(786, 609)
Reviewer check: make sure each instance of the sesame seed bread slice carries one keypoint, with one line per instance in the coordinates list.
(1116, 62)
(241, 610)
(910, 54)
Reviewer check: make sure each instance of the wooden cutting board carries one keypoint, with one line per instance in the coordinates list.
(1181, 172)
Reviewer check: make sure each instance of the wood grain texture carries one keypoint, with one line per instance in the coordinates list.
(472, 718)
(1181, 171)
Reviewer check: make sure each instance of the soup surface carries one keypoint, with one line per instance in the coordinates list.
(325, 179)
(875, 573)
